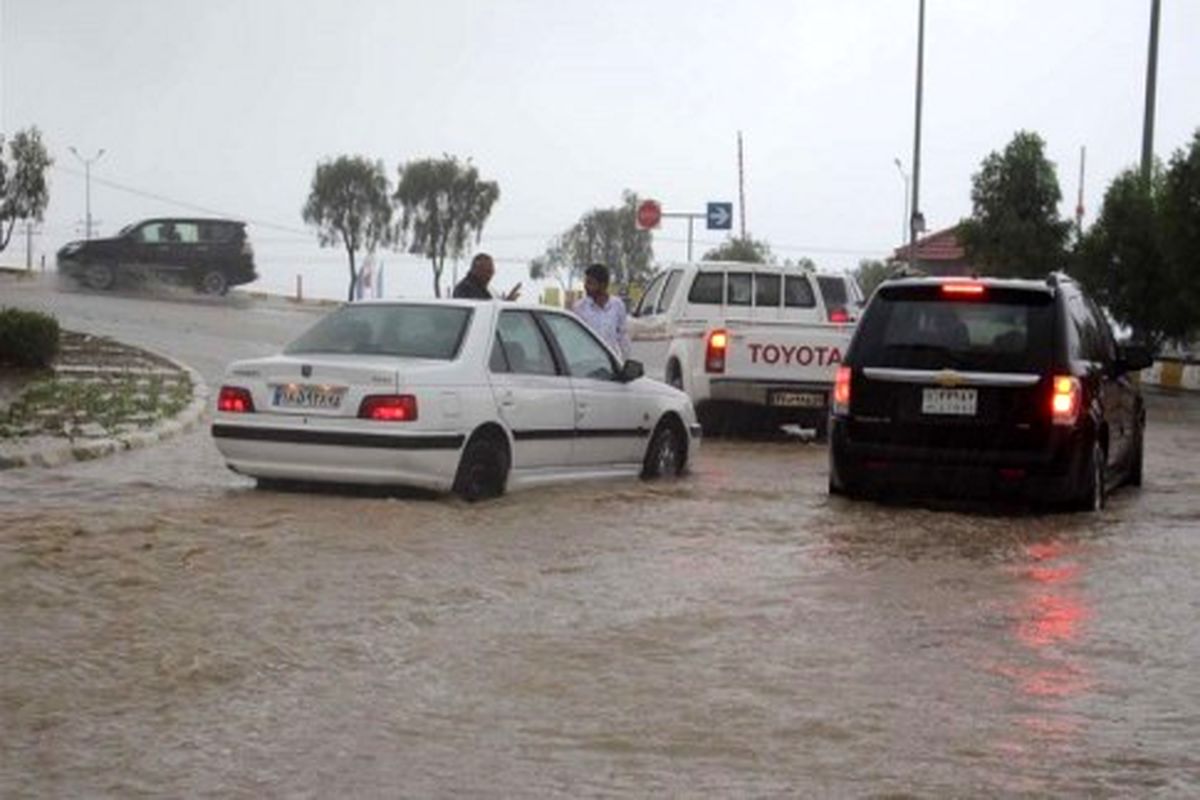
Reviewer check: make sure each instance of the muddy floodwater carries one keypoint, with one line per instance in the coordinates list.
(167, 630)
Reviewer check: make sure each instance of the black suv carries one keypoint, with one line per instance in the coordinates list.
(984, 388)
(209, 255)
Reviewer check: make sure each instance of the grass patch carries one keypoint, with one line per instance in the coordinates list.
(63, 407)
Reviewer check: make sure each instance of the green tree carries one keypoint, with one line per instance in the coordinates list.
(1140, 256)
(606, 236)
(23, 189)
(871, 272)
(748, 250)
(445, 205)
(1014, 229)
(348, 204)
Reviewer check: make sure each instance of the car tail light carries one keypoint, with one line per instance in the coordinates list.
(839, 314)
(1066, 400)
(388, 407)
(841, 391)
(962, 289)
(714, 355)
(235, 400)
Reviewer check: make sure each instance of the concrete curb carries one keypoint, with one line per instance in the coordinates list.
(1173, 373)
(53, 451)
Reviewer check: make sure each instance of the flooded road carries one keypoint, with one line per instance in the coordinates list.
(167, 630)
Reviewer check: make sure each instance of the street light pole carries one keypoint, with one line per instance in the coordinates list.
(904, 222)
(916, 175)
(1151, 81)
(87, 172)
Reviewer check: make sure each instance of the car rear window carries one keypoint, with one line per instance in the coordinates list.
(833, 291)
(707, 288)
(407, 331)
(798, 293)
(919, 328)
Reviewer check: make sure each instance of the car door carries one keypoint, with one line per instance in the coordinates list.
(533, 394)
(612, 419)
(148, 248)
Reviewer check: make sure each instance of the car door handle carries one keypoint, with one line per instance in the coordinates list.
(507, 399)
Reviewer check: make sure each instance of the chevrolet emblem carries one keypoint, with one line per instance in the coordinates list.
(949, 379)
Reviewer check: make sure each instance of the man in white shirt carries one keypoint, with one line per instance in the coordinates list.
(603, 313)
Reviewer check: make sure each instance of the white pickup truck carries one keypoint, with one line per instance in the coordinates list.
(753, 345)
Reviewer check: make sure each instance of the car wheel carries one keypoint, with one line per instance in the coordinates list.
(100, 276)
(666, 455)
(483, 469)
(1093, 496)
(213, 282)
(675, 375)
(1136, 458)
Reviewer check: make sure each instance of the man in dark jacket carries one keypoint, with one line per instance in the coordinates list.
(475, 285)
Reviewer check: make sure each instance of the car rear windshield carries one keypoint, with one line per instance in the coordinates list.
(1003, 330)
(408, 331)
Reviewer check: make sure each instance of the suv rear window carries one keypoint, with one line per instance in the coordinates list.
(917, 328)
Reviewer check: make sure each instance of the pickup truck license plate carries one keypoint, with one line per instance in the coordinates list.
(304, 396)
(952, 402)
(796, 399)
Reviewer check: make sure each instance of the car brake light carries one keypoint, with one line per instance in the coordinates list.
(714, 356)
(235, 400)
(388, 407)
(962, 289)
(839, 314)
(1066, 399)
(841, 391)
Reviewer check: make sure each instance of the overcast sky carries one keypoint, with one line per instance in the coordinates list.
(228, 105)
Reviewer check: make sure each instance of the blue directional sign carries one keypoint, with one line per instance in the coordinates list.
(720, 216)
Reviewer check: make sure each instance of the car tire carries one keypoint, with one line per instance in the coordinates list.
(483, 469)
(1093, 496)
(213, 282)
(666, 455)
(1137, 458)
(100, 276)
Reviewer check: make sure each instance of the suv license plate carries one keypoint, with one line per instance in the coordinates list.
(300, 396)
(797, 399)
(953, 402)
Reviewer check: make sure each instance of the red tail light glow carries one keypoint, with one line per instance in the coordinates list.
(841, 391)
(962, 289)
(839, 314)
(714, 355)
(1066, 400)
(235, 400)
(388, 407)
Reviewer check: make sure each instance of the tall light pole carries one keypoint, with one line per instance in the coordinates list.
(914, 221)
(87, 171)
(1151, 80)
(904, 223)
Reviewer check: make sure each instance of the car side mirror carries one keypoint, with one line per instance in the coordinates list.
(1134, 358)
(631, 370)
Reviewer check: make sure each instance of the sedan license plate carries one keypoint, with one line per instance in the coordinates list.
(951, 402)
(796, 399)
(303, 396)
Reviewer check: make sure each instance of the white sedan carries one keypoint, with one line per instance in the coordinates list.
(454, 395)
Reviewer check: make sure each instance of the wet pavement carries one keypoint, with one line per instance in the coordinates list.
(169, 631)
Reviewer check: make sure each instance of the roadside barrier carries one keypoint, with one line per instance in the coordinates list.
(1173, 373)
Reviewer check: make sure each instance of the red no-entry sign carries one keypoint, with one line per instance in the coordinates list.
(649, 215)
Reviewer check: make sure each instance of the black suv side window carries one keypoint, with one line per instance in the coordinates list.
(1084, 331)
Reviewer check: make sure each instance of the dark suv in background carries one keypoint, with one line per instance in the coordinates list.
(209, 255)
(979, 388)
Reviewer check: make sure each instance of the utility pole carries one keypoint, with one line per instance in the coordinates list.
(1079, 202)
(87, 171)
(741, 190)
(1151, 80)
(916, 174)
(28, 245)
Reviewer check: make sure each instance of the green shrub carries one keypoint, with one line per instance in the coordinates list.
(28, 338)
